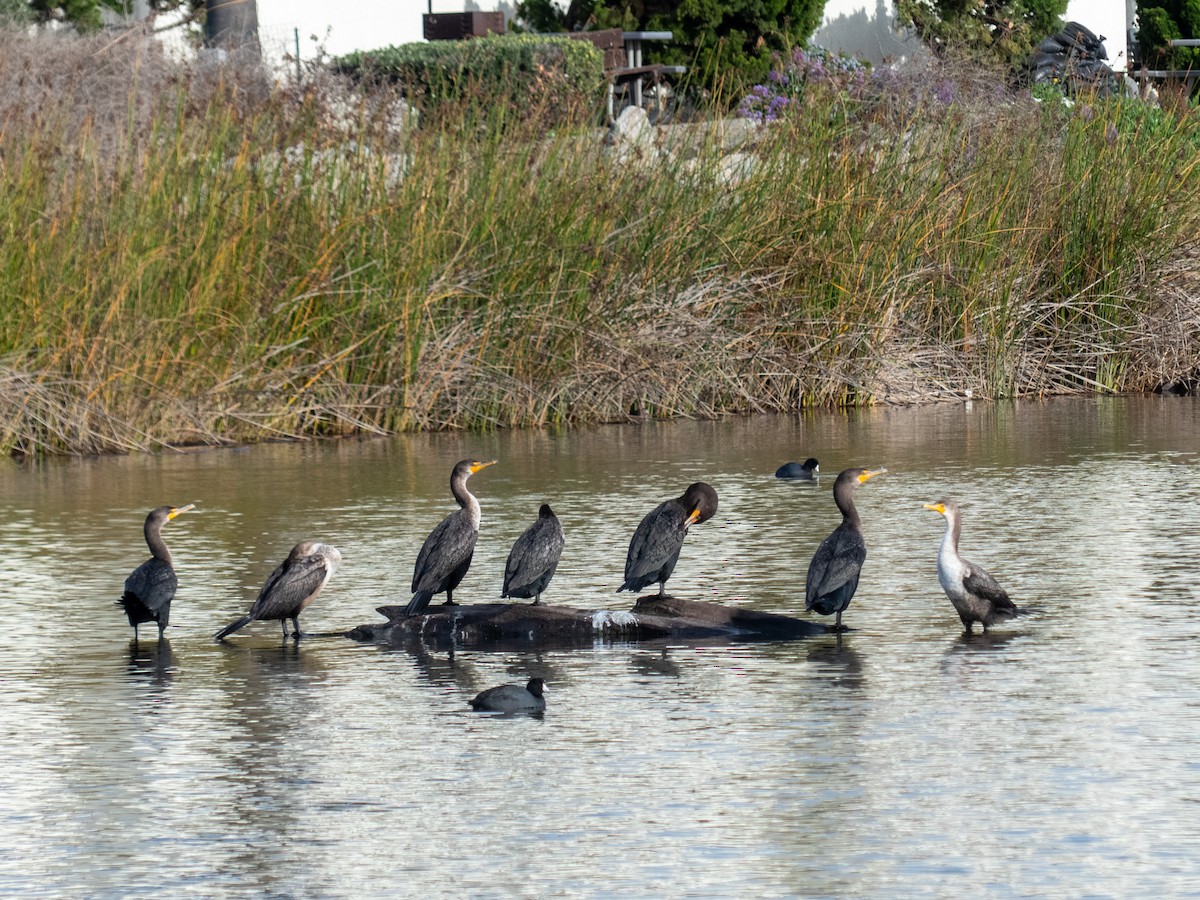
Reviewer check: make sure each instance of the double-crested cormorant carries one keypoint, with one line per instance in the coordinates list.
(290, 589)
(976, 595)
(534, 557)
(805, 471)
(655, 547)
(833, 573)
(446, 554)
(150, 587)
(512, 697)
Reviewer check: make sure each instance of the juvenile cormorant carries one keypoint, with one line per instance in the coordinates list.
(151, 587)
(976, 595)
(534, 557)
(446, 554)
(833, 573)
(290, 589)
(512, 697)
(805, 471)
(654, 549)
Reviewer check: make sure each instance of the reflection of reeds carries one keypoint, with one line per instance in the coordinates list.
(188, 274)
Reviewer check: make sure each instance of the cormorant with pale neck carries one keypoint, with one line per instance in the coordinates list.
(833, 573)
(976, 595)
(806, 471)
(654, 549)
(534, 558)
(151, 587)
(291, 588)
(446, 554)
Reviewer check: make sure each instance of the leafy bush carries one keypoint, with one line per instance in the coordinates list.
(725, 46)
(1007, 30)
(517, 70)
(1163, 22)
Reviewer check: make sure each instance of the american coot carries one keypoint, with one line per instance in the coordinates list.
(534, 558)
(151, 587)
(512, 697)
(833, 573)
(655, 547)
(446, 554)
(290, 589)
(976, 595)
(805, 471)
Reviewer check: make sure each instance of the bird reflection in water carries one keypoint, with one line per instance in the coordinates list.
(836, 662)
(151, 662)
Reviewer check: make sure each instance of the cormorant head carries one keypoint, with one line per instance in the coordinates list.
(166, 513)
(700, 500)
(545, 512)
(945, 506)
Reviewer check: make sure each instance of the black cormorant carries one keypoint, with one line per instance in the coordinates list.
(290, 589)
(655, 547)
(446, 554)
(805, 471)
(150, 587)
(833, 573)
(512, 697)
(534, 557)
(976, 595)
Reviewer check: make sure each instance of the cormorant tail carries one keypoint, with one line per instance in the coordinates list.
(417, 604)
(231, 628)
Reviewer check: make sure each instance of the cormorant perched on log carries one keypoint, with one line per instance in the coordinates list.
(976, 595)
(833, 573)
(512, 697)
(654, 549)
(806, 471)
(446, 554)
(151, 587)
(290, 589)
(534, 557)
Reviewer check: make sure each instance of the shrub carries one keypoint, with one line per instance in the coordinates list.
(522, 71)
(1006, 30)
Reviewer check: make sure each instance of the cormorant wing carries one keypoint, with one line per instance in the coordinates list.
(980, 583)
(534, 553)
(659, 538)
(448, 546)
(837, 562)
(286, 589)
(153, 583)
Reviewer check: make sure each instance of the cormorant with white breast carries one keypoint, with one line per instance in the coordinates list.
(806, 471)
(833, 573)
(654, 549)
(976, 595)
(291, 588)
(534, 557)
(446, 554)
(151, 587)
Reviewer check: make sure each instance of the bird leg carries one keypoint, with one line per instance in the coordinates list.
(537, 601)
(296, 632)
(450, 599)
(662, 589)
(283, 625)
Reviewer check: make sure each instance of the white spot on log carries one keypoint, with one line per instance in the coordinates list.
(616, 621)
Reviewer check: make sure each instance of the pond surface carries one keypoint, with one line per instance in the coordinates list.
(1056, 757)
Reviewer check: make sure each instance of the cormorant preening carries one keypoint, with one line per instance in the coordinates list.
(290, 589)
(976, 595)
(512, 697)
(833, 573)
(805, 471)
(446, 554)
(150, 587)
(534, 557)
(655, 547)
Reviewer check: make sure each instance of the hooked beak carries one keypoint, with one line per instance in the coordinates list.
(869, 474)
(476, 466)
(692, 517)
(179, 511)
(936, 507)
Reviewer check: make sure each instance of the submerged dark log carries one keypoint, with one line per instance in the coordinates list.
(652, 617)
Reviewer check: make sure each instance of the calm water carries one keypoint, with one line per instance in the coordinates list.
(1058, 757)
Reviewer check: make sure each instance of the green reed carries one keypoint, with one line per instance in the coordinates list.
(228, 268)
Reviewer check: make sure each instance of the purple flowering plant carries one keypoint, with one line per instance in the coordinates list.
(794, 74)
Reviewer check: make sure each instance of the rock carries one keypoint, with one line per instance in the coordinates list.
(523, 623)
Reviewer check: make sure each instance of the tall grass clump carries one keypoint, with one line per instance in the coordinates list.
(207, 257)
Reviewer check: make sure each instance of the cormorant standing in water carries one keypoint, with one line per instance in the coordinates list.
(976, 595)
(833, 573)
(654, 549)
(290, 589)
(446, 554)
(806, 471)
(512, 697)
(534, 558)
(151, 587)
